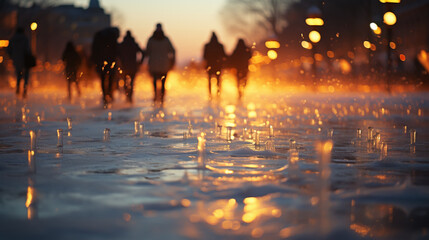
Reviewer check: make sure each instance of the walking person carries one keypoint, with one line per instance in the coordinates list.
(104, 56)
(20, 52)
(162, 57)
(72, 61)
(240, 61)
(214, 55)
(128, 51)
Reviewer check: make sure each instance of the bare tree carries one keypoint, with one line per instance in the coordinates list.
(253, 17)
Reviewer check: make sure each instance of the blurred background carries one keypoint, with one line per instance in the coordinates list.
(294, 41)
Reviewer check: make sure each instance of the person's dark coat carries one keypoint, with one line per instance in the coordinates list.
(239, 59)
(214, 55)
(18, 49)
(128, 51)
(105, 47)
(71, 58)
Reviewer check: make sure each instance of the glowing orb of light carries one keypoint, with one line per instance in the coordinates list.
(272, 54)
(389, 18)
(314, 36)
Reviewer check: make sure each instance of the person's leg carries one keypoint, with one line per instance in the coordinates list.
(102, 75)
(69, 81)
(210, 85)
(155, 91)
(219, 84)
(18, 80)
(26, 76)
(163, 79)
(76, 82)
(130, 89)
(111, 75)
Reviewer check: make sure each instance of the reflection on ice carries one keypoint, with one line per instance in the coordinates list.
(279, 165)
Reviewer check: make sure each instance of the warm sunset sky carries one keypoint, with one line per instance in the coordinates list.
(188, 23)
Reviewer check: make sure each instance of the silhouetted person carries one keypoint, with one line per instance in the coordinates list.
(214, 55)
(104, 55)
(20, 52)
(162, 57)
(240, 61)
(72, 61)
(128, 55)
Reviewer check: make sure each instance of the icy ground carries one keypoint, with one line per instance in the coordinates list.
(314, 177)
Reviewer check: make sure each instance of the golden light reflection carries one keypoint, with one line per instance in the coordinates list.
(4, 43)
(360, 229)
(272, 54)
(390, 1)
(314, 21)
(314, 36)
(389, 18)
(377, 31)
(272, 44)
(33, 26)
(30, 193)
(367, 44)
(306, 45)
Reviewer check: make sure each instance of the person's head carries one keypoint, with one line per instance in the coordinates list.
(159, 33)
(241, 43)
(214, 37)
(69, 45)
(159, 27)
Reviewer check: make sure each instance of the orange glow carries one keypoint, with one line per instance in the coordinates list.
(314, 36)
(126, 217)
(257, 232)
(272, 44)
(30, 195)
(1, 59)
(389, 18)
(306, 45)
(377, 31)
(367, 44)
(318, 57)
(390, 1)
(330, 54)
(185, 202)
(121, 83)
(272, 54)
(360, 229)
(33, 26)
(402, 57)
(229, 109)
(314, 21)
(345, 66)
(373, 47)
(4, 43)
(392, 45)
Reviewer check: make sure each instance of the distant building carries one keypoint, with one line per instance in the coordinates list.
(56, 26)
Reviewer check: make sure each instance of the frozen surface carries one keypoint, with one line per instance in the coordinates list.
(150, 187)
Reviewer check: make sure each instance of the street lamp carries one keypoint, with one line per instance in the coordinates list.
(389, 18)
(314, 20)
(33, 28)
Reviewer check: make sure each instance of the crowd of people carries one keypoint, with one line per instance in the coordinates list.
(112, 58)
